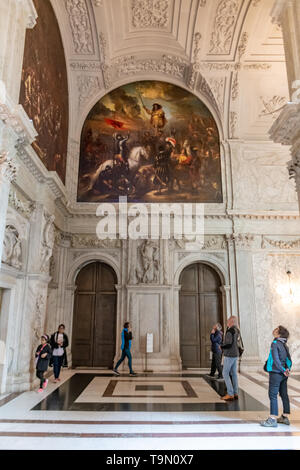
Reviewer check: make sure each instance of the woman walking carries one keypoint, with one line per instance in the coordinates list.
(42, 358)
(59, 342)
(278, 365)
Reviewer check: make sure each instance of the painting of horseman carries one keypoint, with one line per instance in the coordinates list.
(153, 142)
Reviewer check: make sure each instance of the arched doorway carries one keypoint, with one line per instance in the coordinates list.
(94, 324)
(200, 307)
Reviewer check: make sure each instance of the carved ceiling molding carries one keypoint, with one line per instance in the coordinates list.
(88, 241)
(149, 13)
(86, 66)
(80, 26)
(224, 26)
(131, 65)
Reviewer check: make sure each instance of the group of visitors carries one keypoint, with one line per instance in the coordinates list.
(52, 350)
(278, 365)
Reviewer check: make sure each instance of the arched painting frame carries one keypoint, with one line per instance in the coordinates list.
(151, 141)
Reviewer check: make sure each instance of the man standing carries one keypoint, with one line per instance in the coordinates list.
(126, 336)
(231, 355)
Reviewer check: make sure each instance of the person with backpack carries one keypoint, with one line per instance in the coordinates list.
(278, 365)
(42, 358)
(126, 337)
(216, 338)
(232, 349)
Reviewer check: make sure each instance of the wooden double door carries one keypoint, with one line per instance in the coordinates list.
(200, 307)
(94, 322)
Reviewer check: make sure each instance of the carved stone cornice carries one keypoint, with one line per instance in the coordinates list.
(90, 241)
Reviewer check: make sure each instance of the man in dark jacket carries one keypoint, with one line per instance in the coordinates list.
(278, 365)
(126, 337)
(231, 354)
(216, 339)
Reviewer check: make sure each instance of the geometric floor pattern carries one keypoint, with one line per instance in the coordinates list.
(96, 410)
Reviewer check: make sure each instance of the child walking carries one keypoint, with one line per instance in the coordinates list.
(42, 358)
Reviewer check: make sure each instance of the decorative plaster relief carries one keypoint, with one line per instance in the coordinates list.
(87, 87)
(225, 21)
(24, 207)
(150, 13)
(80, 26)
(8, 168)
(12, 248)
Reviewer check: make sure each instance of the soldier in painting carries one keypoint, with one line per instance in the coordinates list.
(158, 118)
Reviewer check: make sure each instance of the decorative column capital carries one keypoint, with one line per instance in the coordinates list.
(225, 289)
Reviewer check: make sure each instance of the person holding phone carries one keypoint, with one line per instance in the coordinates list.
(126, 337)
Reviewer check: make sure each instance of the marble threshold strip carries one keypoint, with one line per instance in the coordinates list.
(198, 422)
(151, 434)
(264, 385)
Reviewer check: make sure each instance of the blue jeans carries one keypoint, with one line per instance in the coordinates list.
(278, 384)
(230, 369)
(57, 363)
(125, 353)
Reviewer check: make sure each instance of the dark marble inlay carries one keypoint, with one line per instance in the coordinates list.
(150, 388)
(64, 397)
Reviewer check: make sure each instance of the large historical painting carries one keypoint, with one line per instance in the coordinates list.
(44, 88)
(152, 142)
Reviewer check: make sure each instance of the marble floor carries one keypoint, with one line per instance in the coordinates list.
(92, 409)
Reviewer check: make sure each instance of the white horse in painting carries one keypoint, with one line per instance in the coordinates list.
(136, 157)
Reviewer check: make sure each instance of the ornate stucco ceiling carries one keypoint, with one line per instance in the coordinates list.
(226, 51)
